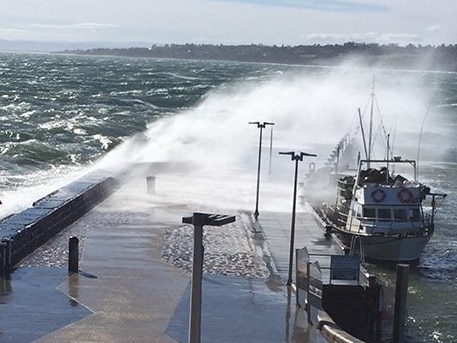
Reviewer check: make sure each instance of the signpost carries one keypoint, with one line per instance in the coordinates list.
(198, 220)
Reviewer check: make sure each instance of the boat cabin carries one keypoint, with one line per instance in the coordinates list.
(380, 204)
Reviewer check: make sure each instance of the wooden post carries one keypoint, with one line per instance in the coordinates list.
(401, 292)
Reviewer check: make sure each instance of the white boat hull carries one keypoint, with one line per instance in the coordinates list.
(388, 248)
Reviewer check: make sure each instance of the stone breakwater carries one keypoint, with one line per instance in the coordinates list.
(22, 233)
(229, 250)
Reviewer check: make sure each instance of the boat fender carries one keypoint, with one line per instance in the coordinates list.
(405, 196)
(378, 195)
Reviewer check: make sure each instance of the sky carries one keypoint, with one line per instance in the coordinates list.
(269, 22)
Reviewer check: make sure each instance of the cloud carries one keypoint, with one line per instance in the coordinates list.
(319, 5)
(288, 22)
(434, 29)
(84, 26)
(12, 33)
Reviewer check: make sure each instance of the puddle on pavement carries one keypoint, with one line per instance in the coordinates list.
(31, 306)
(236, 309)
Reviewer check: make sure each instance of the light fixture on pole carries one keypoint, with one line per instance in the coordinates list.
(261, 126)
(294, 157)
(198, 220)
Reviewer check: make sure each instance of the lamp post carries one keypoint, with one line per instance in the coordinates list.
(294, 157)
(261, 126)
(198, 220)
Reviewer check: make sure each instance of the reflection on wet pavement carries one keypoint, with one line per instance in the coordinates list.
(236, 309)
(32, 306)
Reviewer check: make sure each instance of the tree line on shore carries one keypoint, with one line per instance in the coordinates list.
(439, 58)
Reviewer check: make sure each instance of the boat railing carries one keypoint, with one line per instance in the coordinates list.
(413, 225)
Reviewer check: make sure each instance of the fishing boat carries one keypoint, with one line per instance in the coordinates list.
(380, 215)
(372, 210)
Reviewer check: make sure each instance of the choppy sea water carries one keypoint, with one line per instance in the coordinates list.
(62, 115)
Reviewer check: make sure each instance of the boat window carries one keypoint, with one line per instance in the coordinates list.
(400, 215)
(414, 214)
(384, 214)
(369, 213)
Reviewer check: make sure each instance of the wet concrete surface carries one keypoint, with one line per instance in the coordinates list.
(243, 310)
(32, 306)
(126, 291)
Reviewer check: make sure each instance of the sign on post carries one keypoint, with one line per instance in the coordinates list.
(309, 282)
(302, 275)
(315, 285)
(344, 267)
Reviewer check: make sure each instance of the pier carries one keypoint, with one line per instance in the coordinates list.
(126, 291)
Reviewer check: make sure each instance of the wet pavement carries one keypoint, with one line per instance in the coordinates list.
(127, 292)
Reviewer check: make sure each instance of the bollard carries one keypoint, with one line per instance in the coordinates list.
(7, 257)
(401, 292)
(3, 272)
(73, 255)
(151, 184)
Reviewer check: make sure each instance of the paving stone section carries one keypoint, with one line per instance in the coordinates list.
(134, 280)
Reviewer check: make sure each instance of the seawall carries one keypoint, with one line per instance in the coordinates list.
(21, 233)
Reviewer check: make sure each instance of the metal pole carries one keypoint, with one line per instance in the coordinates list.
(271, 150)
(261, 126)
(199, 220)
(292, 227)
(196, 286)
(256, 212)
(401, 292)
(296, 158)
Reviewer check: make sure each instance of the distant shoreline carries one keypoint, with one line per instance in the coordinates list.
(430, 58)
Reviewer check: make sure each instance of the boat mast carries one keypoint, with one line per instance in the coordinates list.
(363, 134)
(387, 157)
(371, 124)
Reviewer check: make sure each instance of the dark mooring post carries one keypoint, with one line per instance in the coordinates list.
(151, 184)
(6, 264)
(401, 292)
(3, 266)
(73, 255)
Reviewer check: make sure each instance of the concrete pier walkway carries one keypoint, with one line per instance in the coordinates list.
(126, 292)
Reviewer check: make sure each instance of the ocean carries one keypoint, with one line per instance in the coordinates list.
(63, 115)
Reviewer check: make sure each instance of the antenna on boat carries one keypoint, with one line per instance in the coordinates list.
(371, 120)
(420, 137)
(388, 150)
